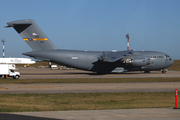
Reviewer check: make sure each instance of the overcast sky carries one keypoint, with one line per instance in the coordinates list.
(96, 25)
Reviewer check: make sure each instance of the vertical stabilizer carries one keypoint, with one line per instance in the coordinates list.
(32, 35)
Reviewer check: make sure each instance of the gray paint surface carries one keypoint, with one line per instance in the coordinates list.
(96, 61)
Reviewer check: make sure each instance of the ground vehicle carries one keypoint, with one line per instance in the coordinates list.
(5, 72)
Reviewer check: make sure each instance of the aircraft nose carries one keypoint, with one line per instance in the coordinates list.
(171, 61)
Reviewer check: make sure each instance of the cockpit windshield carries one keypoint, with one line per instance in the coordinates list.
(166, 56)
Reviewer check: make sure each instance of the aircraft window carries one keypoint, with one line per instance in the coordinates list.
(166, 56)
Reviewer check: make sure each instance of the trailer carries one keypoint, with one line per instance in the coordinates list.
(6, 72)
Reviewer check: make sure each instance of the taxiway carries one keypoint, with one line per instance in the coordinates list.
(51, 88)
(131, 114)
(47, 73)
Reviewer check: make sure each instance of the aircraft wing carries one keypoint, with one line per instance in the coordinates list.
(112, 56)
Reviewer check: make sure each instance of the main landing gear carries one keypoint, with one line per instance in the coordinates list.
(147, 72)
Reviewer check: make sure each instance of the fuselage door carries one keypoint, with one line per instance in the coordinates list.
(148, 61)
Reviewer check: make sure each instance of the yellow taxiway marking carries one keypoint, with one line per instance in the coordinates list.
(38, 86)
(13, 83)
(2, 88)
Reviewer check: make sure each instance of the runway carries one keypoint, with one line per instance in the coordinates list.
(47, 73)
(89, 87)
(128, 114)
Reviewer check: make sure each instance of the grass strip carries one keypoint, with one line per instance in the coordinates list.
(88, 80)
(85, 101)
(175, 66)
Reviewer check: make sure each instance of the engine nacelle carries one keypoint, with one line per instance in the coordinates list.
(139, 62)
(128, 61)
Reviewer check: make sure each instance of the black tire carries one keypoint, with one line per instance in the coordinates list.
(16, 77)
(147, 72)
(164, 71)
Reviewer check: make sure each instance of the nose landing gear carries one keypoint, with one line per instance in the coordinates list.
(164, 71)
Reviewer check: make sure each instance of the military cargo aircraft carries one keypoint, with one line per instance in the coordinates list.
(97, 61)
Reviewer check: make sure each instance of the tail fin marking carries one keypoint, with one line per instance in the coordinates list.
(32, 35)
(34, 39)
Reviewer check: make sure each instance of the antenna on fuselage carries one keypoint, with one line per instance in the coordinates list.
(127, 36)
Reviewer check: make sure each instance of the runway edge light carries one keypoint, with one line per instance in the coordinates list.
(176, 99)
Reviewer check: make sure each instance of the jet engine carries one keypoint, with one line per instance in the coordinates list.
(138, 62)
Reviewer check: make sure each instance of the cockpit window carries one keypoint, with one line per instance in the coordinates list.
(166, 56)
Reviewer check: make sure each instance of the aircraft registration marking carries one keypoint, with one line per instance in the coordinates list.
(34, 39)
(74, 58)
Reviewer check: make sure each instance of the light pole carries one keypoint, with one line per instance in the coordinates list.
(3, 40)
(127, 36)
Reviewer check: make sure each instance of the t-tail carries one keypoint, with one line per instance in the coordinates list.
(32, 34)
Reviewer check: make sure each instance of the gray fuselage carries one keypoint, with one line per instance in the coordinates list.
(91, 60)
(100, 62)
